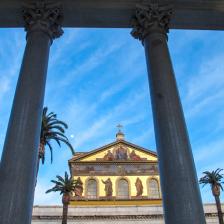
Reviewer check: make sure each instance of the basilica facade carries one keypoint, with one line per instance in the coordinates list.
(119, 173)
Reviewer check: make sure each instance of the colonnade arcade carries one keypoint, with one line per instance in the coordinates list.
(122, 188)
(150, 22)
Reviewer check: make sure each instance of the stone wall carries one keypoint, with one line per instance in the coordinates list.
(111, 215)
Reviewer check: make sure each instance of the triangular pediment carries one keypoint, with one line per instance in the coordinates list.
(119, 151)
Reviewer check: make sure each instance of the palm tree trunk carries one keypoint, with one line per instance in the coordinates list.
(38, 164)
(65, 213)
(41, 151)
(219, 209)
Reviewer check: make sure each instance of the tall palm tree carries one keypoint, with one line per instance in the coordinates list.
(65, 186)
(214, 179)
(51, 129)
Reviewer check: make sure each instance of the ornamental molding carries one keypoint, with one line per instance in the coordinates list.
(150, 18)
(43, 16)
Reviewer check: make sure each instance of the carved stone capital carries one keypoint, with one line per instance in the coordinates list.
(42, 16)
(149, 18)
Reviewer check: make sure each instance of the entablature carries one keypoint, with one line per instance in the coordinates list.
(188, 14)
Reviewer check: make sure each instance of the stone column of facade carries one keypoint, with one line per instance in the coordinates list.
(181, 195)
(19, 159)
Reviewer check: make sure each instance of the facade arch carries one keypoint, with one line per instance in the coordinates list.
(123, 188)
(153, 188)
(92, 188)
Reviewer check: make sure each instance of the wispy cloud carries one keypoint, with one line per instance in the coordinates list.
(209, 79)
(65, 45)
(95, 59)
(145, 135)
(41, 198)
(209, 151)
(4, 86)
(203, 105)
(97, 127)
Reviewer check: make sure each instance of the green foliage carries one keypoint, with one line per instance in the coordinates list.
(63, 185)
(52, 129)
(213, 178)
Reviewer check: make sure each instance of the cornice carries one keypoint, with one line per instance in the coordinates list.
(98, 162)
(111, 217)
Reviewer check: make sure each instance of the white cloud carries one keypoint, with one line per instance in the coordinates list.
(65, 44)
(95, 59)
(96, 127)
(204, 104)
(203, 92)
(41, 198)
(143, 136)
(209, 151)
(4, 86)
(133, 119)
(209, 79)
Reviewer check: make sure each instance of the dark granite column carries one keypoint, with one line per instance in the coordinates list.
(181, 196)
(19, 158)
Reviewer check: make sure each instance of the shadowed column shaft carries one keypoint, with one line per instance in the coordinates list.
(19, 158)
(181, 195)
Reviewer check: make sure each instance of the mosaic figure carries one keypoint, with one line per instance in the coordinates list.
(121, 154)
(109, 156)
(134, 156)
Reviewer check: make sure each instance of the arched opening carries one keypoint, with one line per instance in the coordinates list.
(122, 189)
(91, 189)
(153, 188)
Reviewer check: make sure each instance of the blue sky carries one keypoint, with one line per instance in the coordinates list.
(97, 78)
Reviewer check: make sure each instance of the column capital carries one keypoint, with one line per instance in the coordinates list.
(43, 16)
(150, 18)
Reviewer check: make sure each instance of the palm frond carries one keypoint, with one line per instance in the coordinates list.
(51, 117)
(212, 178)
(57, 127)
(61, 179)
(51, 150)
(42, 159)
(53, 129)
(58, 122)
(68, 144)
(55, 134)
(45, 110)
(63, 185)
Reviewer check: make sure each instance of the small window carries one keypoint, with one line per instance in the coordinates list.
(91, 189)
(153, 189)
(122, 189)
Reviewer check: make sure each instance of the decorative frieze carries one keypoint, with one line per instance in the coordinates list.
(149, 18)
(43, 16)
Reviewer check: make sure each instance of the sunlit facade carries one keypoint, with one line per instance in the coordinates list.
(119, 173)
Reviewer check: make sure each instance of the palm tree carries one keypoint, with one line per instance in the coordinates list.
(65, 186)
(51, 129)
(214, 179)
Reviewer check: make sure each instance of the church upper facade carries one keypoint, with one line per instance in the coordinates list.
(120, 173)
